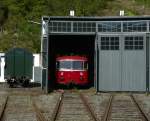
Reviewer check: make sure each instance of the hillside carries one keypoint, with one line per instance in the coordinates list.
(16, 31)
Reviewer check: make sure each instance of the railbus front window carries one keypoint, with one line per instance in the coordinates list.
(77, 65)
(63, 65)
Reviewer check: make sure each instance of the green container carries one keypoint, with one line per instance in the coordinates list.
(18, 63)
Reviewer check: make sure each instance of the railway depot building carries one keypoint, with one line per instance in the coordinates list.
(117, 49)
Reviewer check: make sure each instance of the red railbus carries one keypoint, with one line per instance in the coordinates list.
(72, 70)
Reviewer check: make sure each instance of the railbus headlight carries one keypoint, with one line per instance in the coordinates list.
(62, 73)
(81, 74)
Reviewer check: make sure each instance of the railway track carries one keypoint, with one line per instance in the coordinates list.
(18, 108)
(39, 115)
(124, 108)
(73, 107)
(144, 103)
(45, 106)
(3, 105)
(98, 103)
(24, 108)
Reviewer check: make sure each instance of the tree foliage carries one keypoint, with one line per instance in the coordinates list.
(14, 16)
(3, 13)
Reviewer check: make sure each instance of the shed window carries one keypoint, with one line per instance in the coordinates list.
(55, 26)
(109, 43)
(84, 27)
(139, 26)
(134, 43)
(109, 27)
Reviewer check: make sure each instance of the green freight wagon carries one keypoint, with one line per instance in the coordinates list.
(18, 66)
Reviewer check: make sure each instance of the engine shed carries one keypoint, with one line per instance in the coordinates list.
(117, 49)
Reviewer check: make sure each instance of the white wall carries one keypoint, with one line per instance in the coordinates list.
(36, 59)
(36, 63)
(2, 64)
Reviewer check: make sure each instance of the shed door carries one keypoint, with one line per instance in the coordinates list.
(134, 63)
(109, 63)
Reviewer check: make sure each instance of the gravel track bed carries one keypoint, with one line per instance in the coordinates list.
(19, 108)
(144, 101)
(4, 89)
(20, 105)
(124, 109)
(73, 109)
(98, 104)
(3, 99)
(46, 104)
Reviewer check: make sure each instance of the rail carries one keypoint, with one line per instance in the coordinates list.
(57, 108)
(88, 107)
(108, 109)
(3, 109)
(144, 114)
(39, 115)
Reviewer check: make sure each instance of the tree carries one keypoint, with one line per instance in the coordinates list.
(3, 13)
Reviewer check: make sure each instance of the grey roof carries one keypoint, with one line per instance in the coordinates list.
(97, 18)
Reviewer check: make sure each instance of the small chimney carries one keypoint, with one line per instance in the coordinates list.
(71, 12)
(121, 12)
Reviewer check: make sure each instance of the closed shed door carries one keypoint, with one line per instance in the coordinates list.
(121, 62)
(109, 63)
(134, 63)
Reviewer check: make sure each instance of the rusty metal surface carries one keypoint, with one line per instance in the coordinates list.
(141, 108)
(99, 103)
(3, 105)
(123, 108)
(88, 107)
(57, 108)
(19, 108)
(144, 102)
(39, 115)
(108, 109)
(30, 105)
(46, 105)
(73, 109)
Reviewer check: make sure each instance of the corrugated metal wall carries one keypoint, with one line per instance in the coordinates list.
(109, 63)
(122, 62)
(44, 54)
(121, 49)
(134, 63)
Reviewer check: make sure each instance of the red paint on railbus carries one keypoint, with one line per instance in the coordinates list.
(72, 70)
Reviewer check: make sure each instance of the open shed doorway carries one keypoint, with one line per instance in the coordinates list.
(60, 45)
